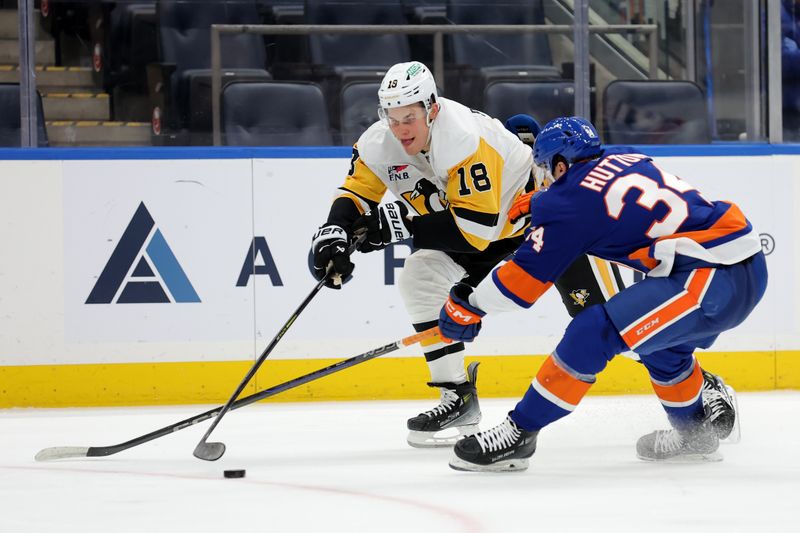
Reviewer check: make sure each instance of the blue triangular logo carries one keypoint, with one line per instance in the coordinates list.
(142, 268)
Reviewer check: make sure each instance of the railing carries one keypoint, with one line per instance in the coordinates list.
(436, 30)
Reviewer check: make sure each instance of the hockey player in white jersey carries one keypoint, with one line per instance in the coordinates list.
(455, 173)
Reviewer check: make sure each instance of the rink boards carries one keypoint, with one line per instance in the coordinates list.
(158, 276)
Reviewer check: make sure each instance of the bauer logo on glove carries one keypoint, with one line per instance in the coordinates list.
(331, 257)
(386, 224)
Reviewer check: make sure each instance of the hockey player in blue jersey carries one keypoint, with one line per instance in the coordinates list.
(705, 274)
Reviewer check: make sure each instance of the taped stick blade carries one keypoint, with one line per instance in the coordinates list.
(209, 451)
(62, 452)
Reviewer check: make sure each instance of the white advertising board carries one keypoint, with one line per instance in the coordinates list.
(766, 188)
(205, 260)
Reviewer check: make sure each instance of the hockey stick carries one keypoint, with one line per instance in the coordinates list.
(70, 452)
(211, 451)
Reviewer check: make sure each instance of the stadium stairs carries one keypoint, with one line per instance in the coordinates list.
(77, 112)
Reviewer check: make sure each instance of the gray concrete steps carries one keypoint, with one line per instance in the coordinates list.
(63, 78)
(76, 111)
(9, 23)
(76, 106)
(45, 52)
(98, 133)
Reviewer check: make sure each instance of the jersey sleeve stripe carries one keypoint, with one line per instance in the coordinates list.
(683, 393)
(362, 206)
(516, 284)
(484, 219)
(365, 183)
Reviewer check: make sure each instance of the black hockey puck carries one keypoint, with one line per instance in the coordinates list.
(234, 473)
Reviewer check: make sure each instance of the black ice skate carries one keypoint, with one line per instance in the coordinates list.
(459, 411)
(720, 398)
(697, 443)
(504, 448)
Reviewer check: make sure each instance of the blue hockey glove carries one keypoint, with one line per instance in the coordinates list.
(458, 319)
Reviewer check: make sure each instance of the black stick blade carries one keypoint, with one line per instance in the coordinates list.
(209, 451)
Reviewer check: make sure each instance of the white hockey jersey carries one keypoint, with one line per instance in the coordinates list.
(475, 168)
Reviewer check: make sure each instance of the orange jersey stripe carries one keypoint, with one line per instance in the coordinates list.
(520, 283)
(560, 384)
(683, 393)
(732, 221)
(697, 282)
(687, 300)
(643, 255)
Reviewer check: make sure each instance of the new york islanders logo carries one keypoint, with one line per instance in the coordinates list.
(142, 268)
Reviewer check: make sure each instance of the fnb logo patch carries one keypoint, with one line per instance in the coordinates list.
(142, 268)
(398, 172)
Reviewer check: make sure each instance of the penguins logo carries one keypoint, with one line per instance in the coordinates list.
(580, 297)
(425, 197)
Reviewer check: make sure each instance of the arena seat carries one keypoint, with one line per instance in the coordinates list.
(655, 112)
(10, 126)
(479, 59)
(369, 52)
(185, 75)
(273, 113)
(543, 100)
(337, 60)
(359, 110)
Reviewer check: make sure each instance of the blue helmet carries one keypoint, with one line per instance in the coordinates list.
(525, 127)
(573, 138)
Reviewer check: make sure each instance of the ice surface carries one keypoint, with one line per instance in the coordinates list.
(345, 467)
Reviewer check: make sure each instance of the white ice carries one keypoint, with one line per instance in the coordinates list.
(345, 467)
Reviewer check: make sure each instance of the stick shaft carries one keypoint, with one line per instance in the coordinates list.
(261, 359)
(200, 450)
(102, 451)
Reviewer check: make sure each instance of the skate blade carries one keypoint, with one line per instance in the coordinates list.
(713, 457)
(510, 465)
(735, 436)
(440, 439)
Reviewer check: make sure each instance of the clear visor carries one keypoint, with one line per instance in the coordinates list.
(405, 117)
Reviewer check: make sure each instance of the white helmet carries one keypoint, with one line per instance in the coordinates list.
(407, 83)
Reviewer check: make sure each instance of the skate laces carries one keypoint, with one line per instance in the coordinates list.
(716, 400)
(667, 441)
(448, 400)
(498, 437)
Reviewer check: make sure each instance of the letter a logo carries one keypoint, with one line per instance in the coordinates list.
(142, 268)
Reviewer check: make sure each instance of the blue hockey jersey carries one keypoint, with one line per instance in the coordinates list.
(623, 208)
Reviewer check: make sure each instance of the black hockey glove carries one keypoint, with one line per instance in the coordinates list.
(330, 246)
(384, 225)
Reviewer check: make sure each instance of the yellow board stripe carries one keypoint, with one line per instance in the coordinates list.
(385, 379)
